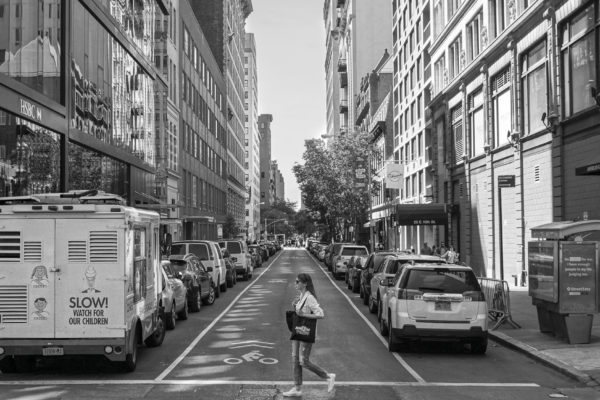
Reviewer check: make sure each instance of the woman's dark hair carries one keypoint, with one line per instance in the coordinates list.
(306, 279)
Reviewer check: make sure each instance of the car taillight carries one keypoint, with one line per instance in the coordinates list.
(410, 294)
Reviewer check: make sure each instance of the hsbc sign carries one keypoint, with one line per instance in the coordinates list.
(30, 110)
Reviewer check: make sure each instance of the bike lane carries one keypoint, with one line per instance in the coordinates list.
(249, 341)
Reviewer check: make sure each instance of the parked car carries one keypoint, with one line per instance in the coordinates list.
(210, 254)
(342, 257)
(264, 252)
(230, 274)
(387, 269)
(255, 255)
(238, 254)
(334, 250)
(197, 279)
(174, 296)
(373, 262)
(435, 301)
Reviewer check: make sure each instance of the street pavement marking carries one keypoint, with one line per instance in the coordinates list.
(191, 346)
(407, 367)
(194, 382)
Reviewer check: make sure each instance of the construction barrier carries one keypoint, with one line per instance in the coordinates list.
(497, 297)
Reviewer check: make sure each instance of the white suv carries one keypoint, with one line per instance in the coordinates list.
(339, 264)
(210, 254)
(238, 254)
(435, 301)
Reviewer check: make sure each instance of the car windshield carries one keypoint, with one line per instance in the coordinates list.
(199, 250)
(354, 251)
(442, 280)
(234, 247)
(178, 266)
(178, 249)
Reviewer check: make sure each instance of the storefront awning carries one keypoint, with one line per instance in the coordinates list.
(171, 221)
(592, 169)
(205, 218)
(422, 214)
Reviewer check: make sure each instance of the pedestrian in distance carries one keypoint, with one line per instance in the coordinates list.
(306, 305)
(450, 255)
(426, 250)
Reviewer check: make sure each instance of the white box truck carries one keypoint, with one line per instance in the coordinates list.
(79, 275)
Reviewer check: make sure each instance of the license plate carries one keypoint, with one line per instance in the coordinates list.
(53, 351)
(442, 306)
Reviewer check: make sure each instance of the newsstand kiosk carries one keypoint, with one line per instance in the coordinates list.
(563, 278)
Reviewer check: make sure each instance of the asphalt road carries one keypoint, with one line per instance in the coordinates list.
(239, 348)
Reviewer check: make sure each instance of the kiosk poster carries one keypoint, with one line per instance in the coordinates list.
(543, 275)
(577, 276)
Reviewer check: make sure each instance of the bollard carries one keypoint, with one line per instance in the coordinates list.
(515, 278)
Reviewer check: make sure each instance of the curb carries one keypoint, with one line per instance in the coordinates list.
(545, 359)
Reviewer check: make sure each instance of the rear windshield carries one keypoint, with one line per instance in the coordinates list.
(178, 266)
(442, 280)
(178, 249)
(354, 251)
(200, 250)
(234, 247)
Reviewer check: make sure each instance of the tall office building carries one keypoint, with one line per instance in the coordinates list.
(252, 140)
(332, 83)
(267, 187)
(78, 91)
(278, 182)
(223, 22)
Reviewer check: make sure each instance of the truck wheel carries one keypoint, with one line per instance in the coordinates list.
(479, 346)
(218, 288)
(195, 301)
(246, 277)
(7, 365)
(355, 286)
(224, 285)
(183, 314)
(171, 318)
(131, 358)
(157, 337)
(230, 280)
(365, 297)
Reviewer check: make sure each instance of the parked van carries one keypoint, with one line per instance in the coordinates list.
(238, 254)
(211, 256)
(80, 274)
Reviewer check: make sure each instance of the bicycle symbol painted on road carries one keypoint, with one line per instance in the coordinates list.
(254, 355)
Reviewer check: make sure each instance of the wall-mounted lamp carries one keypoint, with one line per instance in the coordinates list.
(487, 148)
(595, 95)
(550, 121)
(514, 138)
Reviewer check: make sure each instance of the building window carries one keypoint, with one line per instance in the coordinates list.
(501, 107)
(473, 35)
(498, 17)
(454, 57)
(534, 86)
(476, 123)
(452, 7)
(578, 61)
(439, 67)
(438, 17)
(457, 132)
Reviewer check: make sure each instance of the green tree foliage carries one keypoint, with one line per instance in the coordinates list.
(230, 228)
(328, 180)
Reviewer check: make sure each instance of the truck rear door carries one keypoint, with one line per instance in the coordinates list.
(27, 278)
(90, 286)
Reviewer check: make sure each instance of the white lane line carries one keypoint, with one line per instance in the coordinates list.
(407, 367)
(191, 346)
(193, 382)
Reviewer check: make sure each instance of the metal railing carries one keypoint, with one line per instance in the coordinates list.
(497, 297)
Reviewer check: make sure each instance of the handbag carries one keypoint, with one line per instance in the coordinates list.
(303, 329)
(289, 319)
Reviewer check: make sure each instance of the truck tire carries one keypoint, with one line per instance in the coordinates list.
(130, 362)
(157, 337)
(218, 288)
(8, 365)
(224, 285)
(195, 300)
(246, 276)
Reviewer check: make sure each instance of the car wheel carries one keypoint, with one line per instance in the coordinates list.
(195, 300)
(210, 299)
(157, 337)
(393, 343)
(383, 329)
(183, 314)
(218, 287)
(365, 297)
(230, 280)
(234, 277)
(379, 307)
(355, 286)
(171, 318)
(372, 305)
(361, 292)
(346, 279)
(224, 285)
(246, 276)
(479, 346)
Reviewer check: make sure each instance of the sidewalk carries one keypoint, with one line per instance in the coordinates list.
(579, 361)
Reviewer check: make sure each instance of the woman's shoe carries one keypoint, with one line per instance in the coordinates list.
(330, 382)
(293, 392)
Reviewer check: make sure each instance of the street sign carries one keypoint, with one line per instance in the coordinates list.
(506, 181)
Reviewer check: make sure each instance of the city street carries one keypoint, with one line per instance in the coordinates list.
(239, 349)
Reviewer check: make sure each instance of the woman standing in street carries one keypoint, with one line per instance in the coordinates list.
(306, 306)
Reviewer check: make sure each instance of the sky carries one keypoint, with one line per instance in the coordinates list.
(290, 47)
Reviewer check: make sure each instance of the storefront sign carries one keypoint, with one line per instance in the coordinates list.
(30, 110)
(592, 169)
(577, 277)
(506, 181)
(542, 260)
